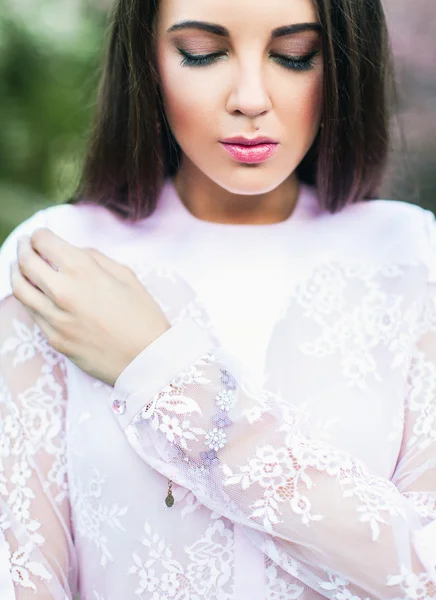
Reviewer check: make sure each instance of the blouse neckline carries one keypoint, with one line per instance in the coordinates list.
(307, 206)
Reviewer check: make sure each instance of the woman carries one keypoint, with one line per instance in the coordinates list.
(218, 360)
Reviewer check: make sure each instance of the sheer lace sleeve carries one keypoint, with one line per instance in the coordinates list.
(36, 548)
(250, 455)
(415, 475)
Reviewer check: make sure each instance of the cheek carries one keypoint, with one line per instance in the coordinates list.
(304, 106)
(191, 101)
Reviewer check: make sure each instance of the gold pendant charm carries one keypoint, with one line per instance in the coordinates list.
(169, 500)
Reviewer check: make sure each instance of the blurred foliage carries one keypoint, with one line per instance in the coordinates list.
(49, 65)
(48, 71)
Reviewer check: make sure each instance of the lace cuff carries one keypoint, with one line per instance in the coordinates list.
(157, 365)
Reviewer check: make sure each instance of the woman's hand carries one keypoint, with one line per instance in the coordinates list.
(91, 308)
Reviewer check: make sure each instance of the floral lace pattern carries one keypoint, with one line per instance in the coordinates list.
(275, 484)
(31, 433)
(328, 469)
(207, 573)
(93, 513)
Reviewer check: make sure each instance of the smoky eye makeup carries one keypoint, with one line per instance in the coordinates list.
(298, 45)
(296, 52)
(295, 62)
(300, 63)
(197, 45)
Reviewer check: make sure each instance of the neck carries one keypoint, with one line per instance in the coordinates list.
(208, 201)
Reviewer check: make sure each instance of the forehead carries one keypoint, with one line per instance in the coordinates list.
(239, 16)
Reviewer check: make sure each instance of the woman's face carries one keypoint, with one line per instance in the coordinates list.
(251, 81)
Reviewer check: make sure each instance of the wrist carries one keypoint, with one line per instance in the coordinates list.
(142, 341)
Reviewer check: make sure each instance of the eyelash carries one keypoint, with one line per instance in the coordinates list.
(302, 63)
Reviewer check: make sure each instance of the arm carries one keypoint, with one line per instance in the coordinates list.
(314, 509)
(34, 504)
(37, 556)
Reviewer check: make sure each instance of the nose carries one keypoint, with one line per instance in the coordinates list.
(249, 94)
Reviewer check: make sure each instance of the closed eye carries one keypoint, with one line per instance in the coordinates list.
(196, 60)
(295, 63)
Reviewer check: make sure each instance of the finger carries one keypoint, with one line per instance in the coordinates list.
(49, 333)
(28, 294)
(44, 325)
(35, 268)
(55, 249)
(116, 269)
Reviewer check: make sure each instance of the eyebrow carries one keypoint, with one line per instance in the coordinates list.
(224, 32)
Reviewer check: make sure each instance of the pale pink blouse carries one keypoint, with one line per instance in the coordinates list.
(292, 403)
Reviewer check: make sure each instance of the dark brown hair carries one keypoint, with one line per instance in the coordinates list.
(132, 148)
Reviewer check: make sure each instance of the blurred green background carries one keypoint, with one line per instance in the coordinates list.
(49, 60)
(49, 65)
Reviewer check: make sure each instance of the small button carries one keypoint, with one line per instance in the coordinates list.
(119, 406)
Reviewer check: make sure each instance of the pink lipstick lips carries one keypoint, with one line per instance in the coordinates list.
(250, 150)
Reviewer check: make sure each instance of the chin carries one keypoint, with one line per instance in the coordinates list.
(251, 181)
